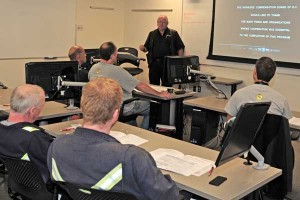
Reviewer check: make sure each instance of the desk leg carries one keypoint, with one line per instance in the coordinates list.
(233, 88)
(179, 119)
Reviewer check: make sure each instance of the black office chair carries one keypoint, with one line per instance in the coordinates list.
(132, 59)
(3, 169)
(25, 180)
(77, 192)
(273, 141)
(128, 118)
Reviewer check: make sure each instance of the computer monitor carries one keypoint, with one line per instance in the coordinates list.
(176, 69)
(45, 74)
(239, 137)
(90, 53)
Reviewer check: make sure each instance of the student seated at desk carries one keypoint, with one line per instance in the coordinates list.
(77, 53)
(106, 68)
(20, 138)
(101, 157)
(260, 91)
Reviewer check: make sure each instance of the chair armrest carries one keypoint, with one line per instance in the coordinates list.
(127, 102)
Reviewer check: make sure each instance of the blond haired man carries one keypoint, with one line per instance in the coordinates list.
(91, 157)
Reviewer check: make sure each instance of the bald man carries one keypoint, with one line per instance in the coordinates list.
(20, 138)
(161, 42)
(77, 53)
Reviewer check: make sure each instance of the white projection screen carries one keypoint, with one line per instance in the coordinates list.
(244, 30)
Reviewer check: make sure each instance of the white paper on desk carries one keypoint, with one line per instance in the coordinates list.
(155, 87)
(127, 139)
(295, 121)
(175, 161)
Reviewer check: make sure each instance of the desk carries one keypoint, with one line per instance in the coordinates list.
(241, 179)
(205, 112)
(5, 96)
(165, 111)
(54, 109)
(227, 81)
(214, 105)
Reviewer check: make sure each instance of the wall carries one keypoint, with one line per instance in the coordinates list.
(101, 23)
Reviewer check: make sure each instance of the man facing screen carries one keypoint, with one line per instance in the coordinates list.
(260, 91)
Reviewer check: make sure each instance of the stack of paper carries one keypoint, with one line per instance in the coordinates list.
(175, 161)
(295, 121)
(127, 139)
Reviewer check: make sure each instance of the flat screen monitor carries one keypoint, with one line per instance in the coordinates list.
(90, 53)
(45, 75)
(239, 137)
(176, 69)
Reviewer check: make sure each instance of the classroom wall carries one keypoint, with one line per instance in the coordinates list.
(191, 18)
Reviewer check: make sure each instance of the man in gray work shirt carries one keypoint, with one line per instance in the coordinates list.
(106, 68)
(263, 72)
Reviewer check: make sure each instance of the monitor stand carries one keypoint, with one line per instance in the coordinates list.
(260, 165)
(71, 105)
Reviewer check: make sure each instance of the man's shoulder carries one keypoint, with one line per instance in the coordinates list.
(137, 152)
(172, 30)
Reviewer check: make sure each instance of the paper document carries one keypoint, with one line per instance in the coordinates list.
(155, 87)
(127, 139)
(175, 161)
(295, 121)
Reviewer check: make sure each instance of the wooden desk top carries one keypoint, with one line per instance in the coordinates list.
(241, 179)
(226, 81)
(209, 102)
(218, 105)
(54, 109)
(5, 96)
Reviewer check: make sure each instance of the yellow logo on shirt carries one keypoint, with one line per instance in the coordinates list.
(259, 97)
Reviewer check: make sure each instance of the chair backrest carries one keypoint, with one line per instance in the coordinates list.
(77, 192)
(25, 179)
(132, 51)
(273, 141)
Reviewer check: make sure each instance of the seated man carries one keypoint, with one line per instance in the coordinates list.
(20, 138)
(106, 68)
(77, 53)
(263, 72)
(260, 91)
(100, 157)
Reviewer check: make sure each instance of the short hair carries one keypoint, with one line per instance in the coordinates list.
(265, 68)
(100, 98)
(163, 17)
(25, 96)
(106, 50)
(74, 51)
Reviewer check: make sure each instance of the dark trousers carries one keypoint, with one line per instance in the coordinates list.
(156, 73)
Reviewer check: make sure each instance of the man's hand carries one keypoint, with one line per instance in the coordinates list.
(143, 48)
(165, 95)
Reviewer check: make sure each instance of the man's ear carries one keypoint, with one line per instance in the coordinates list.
(116, 115)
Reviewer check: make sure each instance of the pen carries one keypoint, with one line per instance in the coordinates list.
(211, 171)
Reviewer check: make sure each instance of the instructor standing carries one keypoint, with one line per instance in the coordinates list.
(161, 42)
